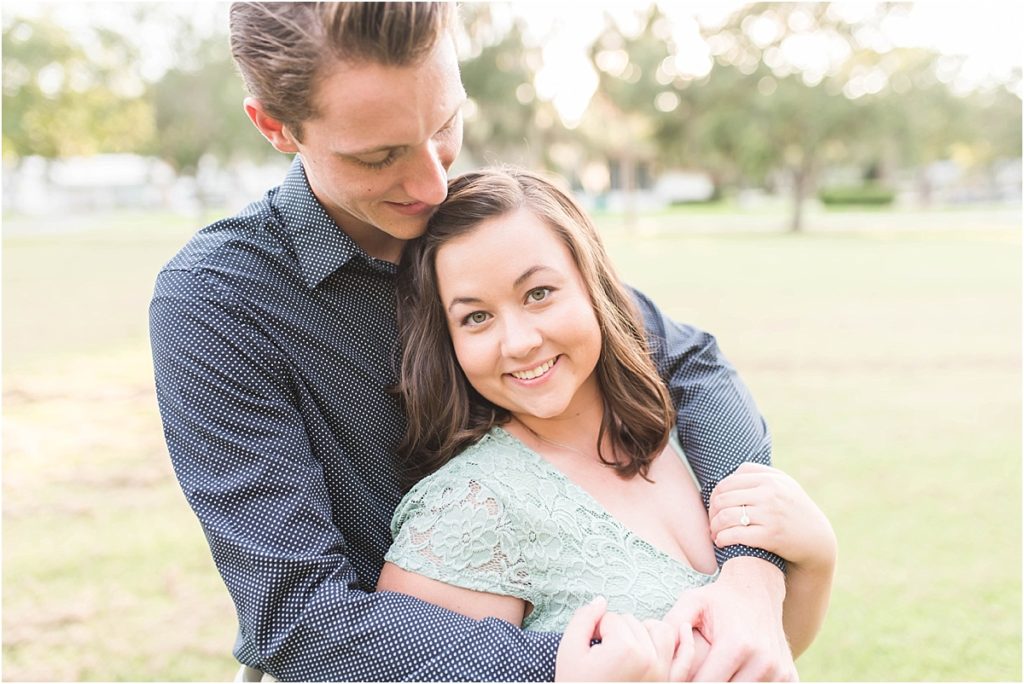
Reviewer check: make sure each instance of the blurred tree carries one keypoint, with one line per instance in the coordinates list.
(798, 87)
(714, 126)
(61, 100)
(780, 69)
(741, 122)
(198, 105)
(505, 121)
(794, 88)
(622, 118)
(919, 120)
(77, 94)
(994, 115)
(764, 125)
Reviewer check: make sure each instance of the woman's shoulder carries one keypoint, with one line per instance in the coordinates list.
(491, 468)
(463, 524)
(495, 455)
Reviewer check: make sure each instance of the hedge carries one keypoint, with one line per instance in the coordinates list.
(875, 195)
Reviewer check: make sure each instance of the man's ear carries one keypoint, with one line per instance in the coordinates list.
(272, 129)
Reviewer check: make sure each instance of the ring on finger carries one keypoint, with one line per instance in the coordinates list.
(744, 518)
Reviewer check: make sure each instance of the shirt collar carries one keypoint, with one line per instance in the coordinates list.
(321, 245)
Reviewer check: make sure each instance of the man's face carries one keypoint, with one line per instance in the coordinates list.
(378, 154)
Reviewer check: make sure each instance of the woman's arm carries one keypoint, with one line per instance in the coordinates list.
(475, 604)
(630, 650)
(783, 519)
(807, 596)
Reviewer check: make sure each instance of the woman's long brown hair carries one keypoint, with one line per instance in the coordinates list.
(445, 414)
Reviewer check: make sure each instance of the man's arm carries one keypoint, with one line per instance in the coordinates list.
(719, 427)
(243, 460)
(718, 424)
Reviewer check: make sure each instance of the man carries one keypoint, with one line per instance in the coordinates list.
(274, 339)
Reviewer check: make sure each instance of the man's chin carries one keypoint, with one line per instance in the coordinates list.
(406, 230)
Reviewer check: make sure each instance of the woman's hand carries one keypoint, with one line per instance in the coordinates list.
(780, 517)
(630, 650)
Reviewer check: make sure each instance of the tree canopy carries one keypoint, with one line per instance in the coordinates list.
(793, 89)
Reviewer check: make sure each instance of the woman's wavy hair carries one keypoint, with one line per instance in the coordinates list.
(445, 414)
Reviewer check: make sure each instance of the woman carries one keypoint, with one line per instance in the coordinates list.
(524, 357)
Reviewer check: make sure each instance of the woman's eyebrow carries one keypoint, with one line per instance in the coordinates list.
(524, 276)
(463, 300)
(529, 272)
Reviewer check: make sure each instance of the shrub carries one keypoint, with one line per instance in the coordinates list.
(869, 194)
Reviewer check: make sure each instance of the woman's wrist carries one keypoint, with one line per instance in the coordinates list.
(821, 563)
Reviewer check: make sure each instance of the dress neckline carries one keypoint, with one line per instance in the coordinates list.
(594, 503)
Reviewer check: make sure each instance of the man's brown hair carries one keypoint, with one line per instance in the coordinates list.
(284, 49)
(445, 414)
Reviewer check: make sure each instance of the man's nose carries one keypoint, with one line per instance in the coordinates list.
(428, 179)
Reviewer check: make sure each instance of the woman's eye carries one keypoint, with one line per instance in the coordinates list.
(476, 318)
(538, 294)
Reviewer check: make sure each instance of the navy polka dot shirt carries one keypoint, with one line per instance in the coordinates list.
(274, 342)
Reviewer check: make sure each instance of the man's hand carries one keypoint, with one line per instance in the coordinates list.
(741, 616)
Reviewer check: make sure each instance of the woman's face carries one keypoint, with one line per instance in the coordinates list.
(520, 318)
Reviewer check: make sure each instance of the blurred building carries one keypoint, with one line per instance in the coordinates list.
(42, 187)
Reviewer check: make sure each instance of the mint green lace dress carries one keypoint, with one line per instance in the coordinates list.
(499, 518)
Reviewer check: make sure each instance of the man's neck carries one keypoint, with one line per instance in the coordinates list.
(371, 239)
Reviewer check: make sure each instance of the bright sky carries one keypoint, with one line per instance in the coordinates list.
(988, 33)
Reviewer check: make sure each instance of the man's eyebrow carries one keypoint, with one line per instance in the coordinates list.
(388, 148)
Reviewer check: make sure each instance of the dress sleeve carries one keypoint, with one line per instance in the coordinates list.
(718, 423)
(454, 528)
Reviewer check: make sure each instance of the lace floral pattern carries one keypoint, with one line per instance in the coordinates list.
(501, 519)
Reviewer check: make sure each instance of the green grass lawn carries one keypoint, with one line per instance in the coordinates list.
(886, 362)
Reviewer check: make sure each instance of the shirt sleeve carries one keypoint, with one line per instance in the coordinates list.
(717, 421)
(244, 462)
(453, 528)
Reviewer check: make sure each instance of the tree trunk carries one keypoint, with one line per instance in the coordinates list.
(799, 192)
(629, 188)
(803, 176)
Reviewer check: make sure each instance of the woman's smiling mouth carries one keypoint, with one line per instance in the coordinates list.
(534, 373)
